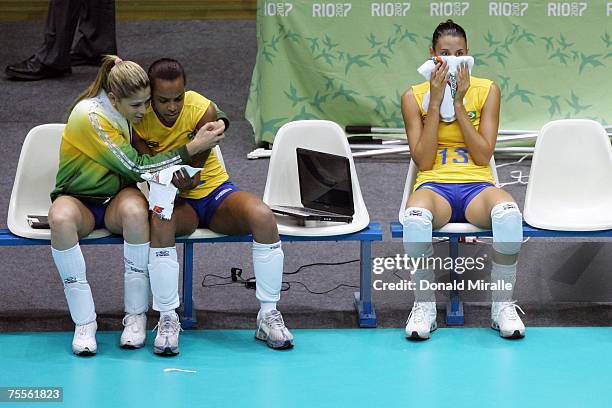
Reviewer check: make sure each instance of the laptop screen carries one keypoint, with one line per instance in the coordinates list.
(325, 181)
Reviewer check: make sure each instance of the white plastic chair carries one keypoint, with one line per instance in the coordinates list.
(451, 227)
(570, 182)
(282, 185)
(35, 179)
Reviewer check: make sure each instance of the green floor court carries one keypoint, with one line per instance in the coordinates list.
(464, 367)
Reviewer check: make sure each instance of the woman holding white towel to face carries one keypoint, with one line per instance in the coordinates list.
(455, 182)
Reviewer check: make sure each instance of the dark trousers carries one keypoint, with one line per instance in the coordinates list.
(94, 24)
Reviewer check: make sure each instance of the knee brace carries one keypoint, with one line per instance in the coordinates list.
(136, 297)
(268, 268)
(80, 302)
(418, 232)
(71, 267)
(164, 276)
(507, 224)
(136, 278)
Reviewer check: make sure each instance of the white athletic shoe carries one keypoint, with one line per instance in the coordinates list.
(271, 329)
(134, 332)
(84, 340)
(422, 321)
(167, 339)
(505, 319)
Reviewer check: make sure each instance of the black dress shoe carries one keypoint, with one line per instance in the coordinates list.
(76, 60)
(33, 70)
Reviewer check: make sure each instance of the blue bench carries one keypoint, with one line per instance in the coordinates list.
(454, 307)
(363, 298)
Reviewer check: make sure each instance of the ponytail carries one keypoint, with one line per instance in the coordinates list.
(122, 78)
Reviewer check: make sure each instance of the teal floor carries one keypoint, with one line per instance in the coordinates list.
(461, 367)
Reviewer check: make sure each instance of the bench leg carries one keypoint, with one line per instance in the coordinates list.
(188, 318)
(363, 298)
(454, 307)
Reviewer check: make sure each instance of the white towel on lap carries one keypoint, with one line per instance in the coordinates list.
(447, 110)
(161, 190)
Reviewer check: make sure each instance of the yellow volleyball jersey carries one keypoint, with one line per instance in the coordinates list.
(96, 157)
(453, 162)
(161, 138)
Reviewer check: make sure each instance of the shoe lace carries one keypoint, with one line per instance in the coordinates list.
(168, 326)
(84, 329)
(131, 321)
(275, 319)
(509, 309)
(128, 320)
(418, 312)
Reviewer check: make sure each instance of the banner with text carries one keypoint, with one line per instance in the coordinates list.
(351, 61)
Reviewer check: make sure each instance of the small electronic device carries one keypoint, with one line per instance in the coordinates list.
(326, 190)
(38, 221)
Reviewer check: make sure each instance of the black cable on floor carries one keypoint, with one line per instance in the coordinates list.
(211, 285)
(319, 293)
(320, 264)
(236, 277)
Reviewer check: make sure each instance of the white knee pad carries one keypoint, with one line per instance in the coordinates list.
(79, 298)
(268, 268)
(418, 232)
(507, 222)
(136, 297)
(136, 277)
(71, 267)
(164, 276)
(80, 302)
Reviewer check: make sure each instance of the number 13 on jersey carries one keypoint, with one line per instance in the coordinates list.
(460, 153)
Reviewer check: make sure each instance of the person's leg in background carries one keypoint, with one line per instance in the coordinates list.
(96, 34)
(53, 57)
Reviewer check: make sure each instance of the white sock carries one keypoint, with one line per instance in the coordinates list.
(162, 252)
(424, 275)
(69, 262)
(268, 268)
(71, 267)
(169, 313)
(267, 307)
(507, 273)
(136, 255)
(136, 277)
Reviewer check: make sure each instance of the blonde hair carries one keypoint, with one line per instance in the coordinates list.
(122, 78)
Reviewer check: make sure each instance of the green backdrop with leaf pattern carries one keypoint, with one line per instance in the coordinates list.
(350, 61)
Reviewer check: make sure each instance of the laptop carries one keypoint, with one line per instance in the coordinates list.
(326, 190)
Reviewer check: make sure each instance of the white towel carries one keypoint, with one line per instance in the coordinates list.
(161, 190)
(447, 110)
